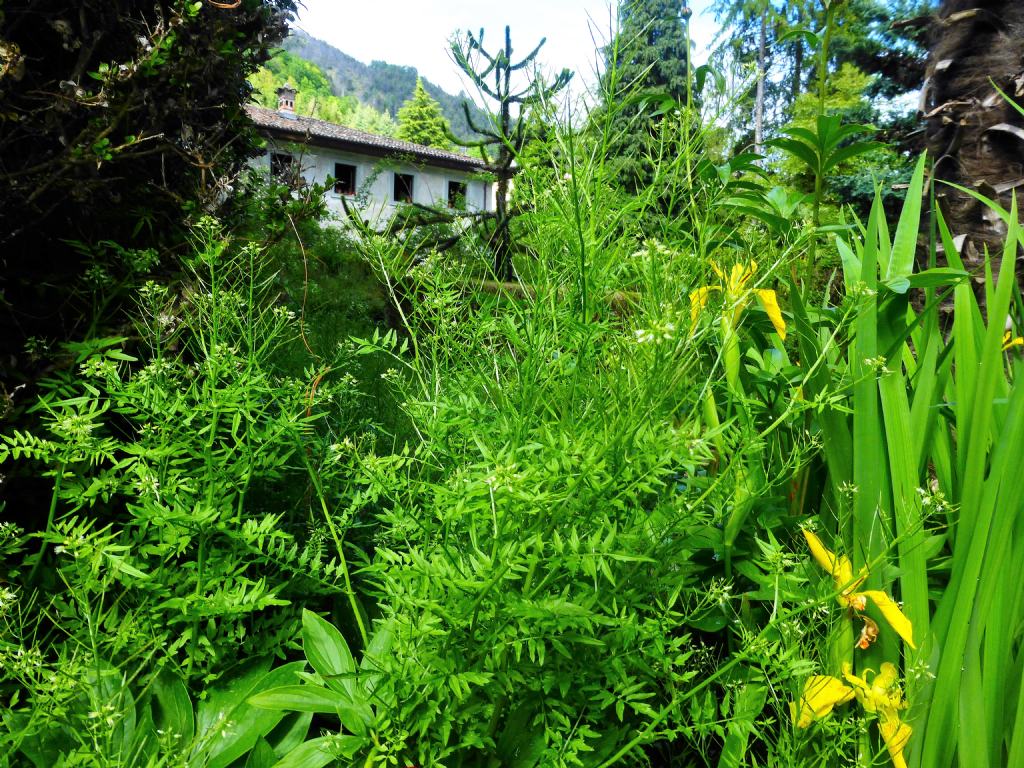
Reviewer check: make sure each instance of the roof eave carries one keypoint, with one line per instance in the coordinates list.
(299, 137)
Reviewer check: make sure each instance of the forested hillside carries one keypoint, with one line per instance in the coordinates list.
(383, 86)
(316, 97)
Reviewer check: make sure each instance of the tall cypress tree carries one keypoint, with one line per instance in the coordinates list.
(421, 121)
(646, 65)
(650, 53)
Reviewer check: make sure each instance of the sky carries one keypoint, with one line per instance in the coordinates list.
(416, 32)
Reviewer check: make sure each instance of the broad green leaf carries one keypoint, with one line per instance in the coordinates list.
(844, 154)
(172, 708)
(109, 686)
(851, 263)
(897, 284)
(261, 755)
(146, 745)
(229, 725)
(229, 694)
(328, 653)
(805, 136)
(43, 749)
(747, 705)
(808, 37)
(321, 752)
(937, 277)
(929, 279)
(520, 745)
(799, 150)
(290, 732)
(378, 649)
(355, 716)
(301, 698)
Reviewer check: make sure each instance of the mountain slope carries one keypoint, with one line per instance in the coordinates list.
(316, 95)
(381, 85)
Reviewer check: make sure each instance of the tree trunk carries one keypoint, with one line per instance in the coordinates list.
(501, 239)
(975, 137)
(798, 60)
(759, 98)
(502, 234)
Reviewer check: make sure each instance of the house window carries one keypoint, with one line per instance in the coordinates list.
(344, 179)
(457, 195)
(281, 165)
(403, 187)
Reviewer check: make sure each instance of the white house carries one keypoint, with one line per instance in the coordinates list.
(377, 173)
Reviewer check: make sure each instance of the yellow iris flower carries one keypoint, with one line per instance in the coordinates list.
(822, 693)
(737, 295)
(841, 571)
(1010, 341)
(879, 694)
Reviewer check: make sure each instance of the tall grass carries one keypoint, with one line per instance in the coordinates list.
(929, 454)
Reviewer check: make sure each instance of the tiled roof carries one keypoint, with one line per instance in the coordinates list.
(320, 132)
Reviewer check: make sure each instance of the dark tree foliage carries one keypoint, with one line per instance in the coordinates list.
(886, 39)
(652, 46)
(118, 119)
(505, 136)
(646, 66)
(973, 95)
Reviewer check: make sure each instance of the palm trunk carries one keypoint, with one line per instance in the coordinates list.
(975, 137)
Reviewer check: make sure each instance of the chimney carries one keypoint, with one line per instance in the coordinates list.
(286, 99)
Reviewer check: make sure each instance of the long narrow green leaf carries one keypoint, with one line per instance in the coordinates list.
(838, 440)
(904, 247)
(868, 446)
(301, 698)
(1015, 735)
(956, 694)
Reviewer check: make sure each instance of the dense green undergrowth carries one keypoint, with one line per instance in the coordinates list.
(686, 498)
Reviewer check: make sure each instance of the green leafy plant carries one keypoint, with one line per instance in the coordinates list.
(336, 687)
(99, 720)
(189, 492)
(823, 149)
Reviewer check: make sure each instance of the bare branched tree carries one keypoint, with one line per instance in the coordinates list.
(507, 133)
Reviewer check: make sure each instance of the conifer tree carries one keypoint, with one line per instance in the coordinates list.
(652, 45)
(421, 121)
(646, 63)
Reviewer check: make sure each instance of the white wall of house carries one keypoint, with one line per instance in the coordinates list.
(375, 181)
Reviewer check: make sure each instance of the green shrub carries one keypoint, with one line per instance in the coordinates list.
(189, 492)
